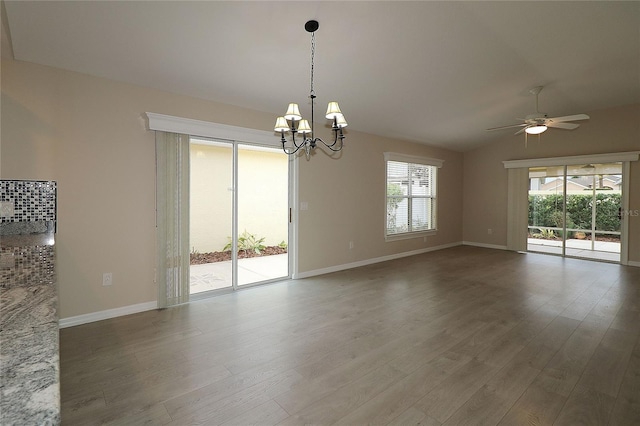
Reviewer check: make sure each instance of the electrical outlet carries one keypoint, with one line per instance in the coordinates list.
(489, 231)
(107, 278)
(350, 245)
(424, 239)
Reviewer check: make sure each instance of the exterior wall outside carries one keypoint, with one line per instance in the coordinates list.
(485, 206)
(263, 201)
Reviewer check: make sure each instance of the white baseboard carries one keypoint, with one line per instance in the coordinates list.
(633, 263)
(491, 246)
(366, 262)
(109, 313)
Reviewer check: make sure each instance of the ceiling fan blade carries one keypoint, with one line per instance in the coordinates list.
(565, 126)
(569, 118)
(520, 131)
(506, 127)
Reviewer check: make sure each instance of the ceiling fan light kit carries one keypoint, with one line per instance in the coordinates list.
(538, 122)
(292, 122)
(535, 130)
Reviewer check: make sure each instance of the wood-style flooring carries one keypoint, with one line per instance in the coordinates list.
(459, 336)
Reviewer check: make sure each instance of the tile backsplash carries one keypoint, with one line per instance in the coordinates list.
(28, 265)
(27, 206)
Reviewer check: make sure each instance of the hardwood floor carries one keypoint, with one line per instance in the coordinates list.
(459, 336)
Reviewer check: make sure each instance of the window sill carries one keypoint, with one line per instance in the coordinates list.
(409, 235)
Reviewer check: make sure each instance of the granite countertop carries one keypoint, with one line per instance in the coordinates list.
(28, 240)
(29, 346)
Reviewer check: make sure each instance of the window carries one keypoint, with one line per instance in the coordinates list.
(411, 203)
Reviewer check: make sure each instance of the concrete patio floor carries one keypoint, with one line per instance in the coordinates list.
(603, 250)
(213, 276)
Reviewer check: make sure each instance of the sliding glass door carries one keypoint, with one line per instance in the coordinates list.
(576, 210)
(263, 214)
(239, 215)
(546, 210)
(210, 215)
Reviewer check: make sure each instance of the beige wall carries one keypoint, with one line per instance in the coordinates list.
(485, 178)
(346, 199)
(262, 200)
(88, 134)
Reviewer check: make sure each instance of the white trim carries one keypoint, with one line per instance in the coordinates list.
(394, 156)
(366, 262)
(409, 235)
(109, 313)
(612, 157)
(633, 263)
(188, 126)
(411, 159)
(483, 245)
(295, 212)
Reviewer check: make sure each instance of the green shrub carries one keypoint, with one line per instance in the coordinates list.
(247, 242)
(546, 210)
(545, 234)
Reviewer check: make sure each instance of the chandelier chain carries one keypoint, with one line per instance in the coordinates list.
(313, 54)
(292, 121)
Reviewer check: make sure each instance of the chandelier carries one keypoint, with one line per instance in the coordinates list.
(292, 122)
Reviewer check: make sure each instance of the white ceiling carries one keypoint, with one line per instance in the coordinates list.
(432, 72)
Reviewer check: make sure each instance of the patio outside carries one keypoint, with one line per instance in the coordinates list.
(602, 250)
(577, 207)
(252, 185)
(214, 276)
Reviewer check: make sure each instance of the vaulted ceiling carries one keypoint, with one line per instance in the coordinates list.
(431, 72)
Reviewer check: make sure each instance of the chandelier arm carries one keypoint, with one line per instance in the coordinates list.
(331, 147)
(336, 137)
(335, 141)
(293, 135)
(296, 147)
(293, 138)
(291, 151)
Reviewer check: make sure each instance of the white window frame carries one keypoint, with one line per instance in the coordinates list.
(411, 159)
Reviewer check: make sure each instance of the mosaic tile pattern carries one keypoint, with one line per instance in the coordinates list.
(33, 201)
(27, 265)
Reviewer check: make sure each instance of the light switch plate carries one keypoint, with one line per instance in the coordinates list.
(6, 209)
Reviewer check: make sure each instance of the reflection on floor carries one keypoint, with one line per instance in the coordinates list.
(213, 276)
(602, 250)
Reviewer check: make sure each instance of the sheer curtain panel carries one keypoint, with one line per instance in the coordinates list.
(172, 218)
(517, 209)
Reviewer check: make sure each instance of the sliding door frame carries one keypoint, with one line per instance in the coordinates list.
(238, 135)
(624, 157)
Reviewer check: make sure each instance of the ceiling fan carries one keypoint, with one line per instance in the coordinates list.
(538, 122)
